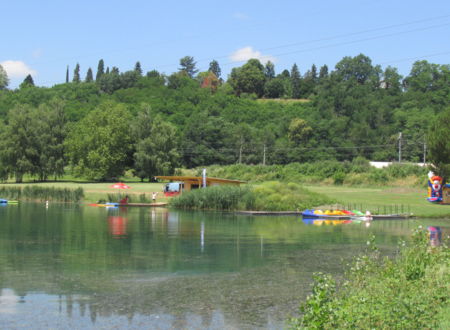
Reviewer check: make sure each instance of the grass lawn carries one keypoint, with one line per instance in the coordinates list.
(375, 199)
(95, 191)
(379, 198)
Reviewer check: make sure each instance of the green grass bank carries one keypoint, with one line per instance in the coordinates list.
(408, 291)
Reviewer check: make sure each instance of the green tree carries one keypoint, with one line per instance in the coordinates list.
(50, 123)
(206, 141)
(4, 81)
(27, 82)
(76, 74)
(274, 88)
(295, 82)
(215, 68)
(323, 72)
(269, 70)
(439, 144)
(358, 69)
(249, 78)
(100, 70)
(138, 69)
(89, 76)
(392, 80)
(99, 145)
(19, 144)
(67, 75)
(187, 65)
(298, 130)
(156, 154)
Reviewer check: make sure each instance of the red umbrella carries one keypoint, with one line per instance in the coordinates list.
(120, 185)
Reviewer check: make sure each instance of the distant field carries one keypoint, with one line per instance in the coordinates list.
(391, 198)
(96, 191)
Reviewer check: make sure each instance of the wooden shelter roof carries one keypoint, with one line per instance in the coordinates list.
(197, 179)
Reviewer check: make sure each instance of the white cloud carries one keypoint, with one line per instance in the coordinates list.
(240, 16)
(17, 69)
(247, 53)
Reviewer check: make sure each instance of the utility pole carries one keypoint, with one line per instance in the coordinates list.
(264, 155)
(424, 152)
(240, 154)
(400, 147)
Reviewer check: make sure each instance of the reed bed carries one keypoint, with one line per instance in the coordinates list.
(37, 193)
(270, 196)
(216, 198)
(132, 198)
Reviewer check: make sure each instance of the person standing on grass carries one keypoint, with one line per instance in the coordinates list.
(154, 196)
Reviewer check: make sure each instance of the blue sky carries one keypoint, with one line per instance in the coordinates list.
(43, 37)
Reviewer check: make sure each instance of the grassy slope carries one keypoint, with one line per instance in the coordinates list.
(373, 198)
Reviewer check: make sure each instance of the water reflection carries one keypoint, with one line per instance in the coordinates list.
(117, 226)
(321, 222)
(9, 301)
(95, 267)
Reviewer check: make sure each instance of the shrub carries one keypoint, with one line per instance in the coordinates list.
(338, 178)
(406, 292)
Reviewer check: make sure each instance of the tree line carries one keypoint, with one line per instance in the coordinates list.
(153, 123)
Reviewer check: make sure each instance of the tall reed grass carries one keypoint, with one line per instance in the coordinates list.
(37, 193)
(216, 198)
(270, 196)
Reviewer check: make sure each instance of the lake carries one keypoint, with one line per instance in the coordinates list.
(81, 267)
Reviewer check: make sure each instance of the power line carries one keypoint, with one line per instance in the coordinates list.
(341, 35)
(353, 41)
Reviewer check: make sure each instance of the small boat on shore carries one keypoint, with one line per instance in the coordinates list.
(110, 204)
(337, 214)
(6, 201)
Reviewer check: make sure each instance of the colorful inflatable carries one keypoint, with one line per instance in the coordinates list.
(435, 185)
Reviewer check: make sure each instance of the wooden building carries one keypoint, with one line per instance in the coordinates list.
(186, 183)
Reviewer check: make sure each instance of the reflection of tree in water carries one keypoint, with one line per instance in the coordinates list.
(217, 273)
(246, 299)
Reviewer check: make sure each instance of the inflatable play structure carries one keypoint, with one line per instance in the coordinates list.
(438, 192)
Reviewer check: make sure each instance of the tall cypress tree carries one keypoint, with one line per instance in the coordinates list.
(89, 76)
(269, 70)
(27, 82)
(100, 70)
(67, 75)
(76, 74)
(137, 68)
(323, 73)
(215, 68)
(295, 81)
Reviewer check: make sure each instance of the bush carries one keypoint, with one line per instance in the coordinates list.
(407, 292)
(339, 178)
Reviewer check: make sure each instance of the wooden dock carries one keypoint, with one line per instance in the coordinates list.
(156, 204)
(269, 212)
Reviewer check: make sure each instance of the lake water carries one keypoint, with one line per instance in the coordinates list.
(81, 267)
